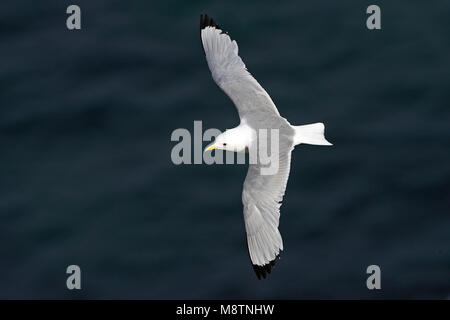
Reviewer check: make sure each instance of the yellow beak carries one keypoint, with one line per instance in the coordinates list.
(210, 147)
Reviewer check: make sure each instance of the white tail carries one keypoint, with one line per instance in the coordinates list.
(311, 134)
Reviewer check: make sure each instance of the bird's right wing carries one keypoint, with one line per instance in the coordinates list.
(229, 71)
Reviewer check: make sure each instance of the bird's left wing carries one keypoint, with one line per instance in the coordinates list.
(261, 197)
(229, 71)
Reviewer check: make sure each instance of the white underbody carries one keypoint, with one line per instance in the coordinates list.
(243, 136)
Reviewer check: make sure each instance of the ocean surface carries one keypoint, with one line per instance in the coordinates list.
(86, 176)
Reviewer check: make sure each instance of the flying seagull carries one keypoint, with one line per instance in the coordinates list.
(262, 194)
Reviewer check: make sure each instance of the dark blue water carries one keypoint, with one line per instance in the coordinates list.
(86, 175)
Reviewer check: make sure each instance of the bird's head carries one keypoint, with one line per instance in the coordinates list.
(230, 140)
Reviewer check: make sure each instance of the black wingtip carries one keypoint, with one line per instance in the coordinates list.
(206, 21)
(263, 271)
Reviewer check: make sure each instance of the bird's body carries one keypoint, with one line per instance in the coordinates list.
(262, 193)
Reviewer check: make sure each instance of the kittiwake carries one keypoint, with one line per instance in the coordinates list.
(262, 194)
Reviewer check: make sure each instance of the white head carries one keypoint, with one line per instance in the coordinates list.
(234, 140)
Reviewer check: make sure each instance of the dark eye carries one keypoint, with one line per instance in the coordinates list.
(224, 144)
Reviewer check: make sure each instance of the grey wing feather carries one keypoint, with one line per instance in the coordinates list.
(262, 196)
(229, 71)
